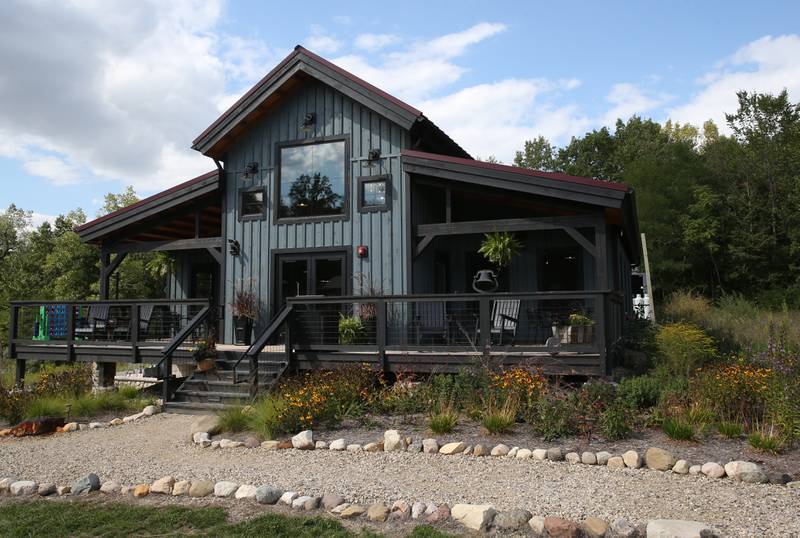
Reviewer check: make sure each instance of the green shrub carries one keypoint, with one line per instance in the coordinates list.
(597, 393)
(266, 415)
(499, 418)
(678, 429)
(443, 422)
(128, 392)
(615, 422)
(45, 406)
(640, 392)
(683, 348)
(731, 430)
(687, 307)
(351, 329)
(233, 419)
(552, 418)
(765, 442)
(66, 380)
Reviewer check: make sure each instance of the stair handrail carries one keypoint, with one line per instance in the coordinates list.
(165, 364)
(261, 341)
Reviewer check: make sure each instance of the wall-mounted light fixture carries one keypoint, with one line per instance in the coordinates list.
(234, 247)
(373, 157)
(307, 124)
(362, 251)
(250, 170)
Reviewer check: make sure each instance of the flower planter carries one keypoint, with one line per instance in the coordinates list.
(581, 334)
(243, 331)
(205, 365)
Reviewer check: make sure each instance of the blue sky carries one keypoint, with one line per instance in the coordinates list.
(98, 95)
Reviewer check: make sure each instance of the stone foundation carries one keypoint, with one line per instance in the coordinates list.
(103, 374)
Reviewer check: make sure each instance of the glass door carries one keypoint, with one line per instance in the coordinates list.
(314, 273)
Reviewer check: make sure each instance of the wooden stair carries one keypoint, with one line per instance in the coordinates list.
(214, 390)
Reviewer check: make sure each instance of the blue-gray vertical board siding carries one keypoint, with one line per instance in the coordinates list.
(382, 232)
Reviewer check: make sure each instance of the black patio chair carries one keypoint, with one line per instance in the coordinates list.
(430, 321)
(96, 321)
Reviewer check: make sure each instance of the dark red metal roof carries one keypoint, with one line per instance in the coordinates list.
(296, 52)
(147, 200)
(517, 170)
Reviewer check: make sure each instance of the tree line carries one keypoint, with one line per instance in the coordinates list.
(721, 212)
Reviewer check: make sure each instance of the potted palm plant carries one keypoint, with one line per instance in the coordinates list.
(245, 312)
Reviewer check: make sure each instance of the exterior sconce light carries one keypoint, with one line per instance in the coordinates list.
(251, 170)
(362, 251)
(308, 122)
(373, 157)
(234, 247)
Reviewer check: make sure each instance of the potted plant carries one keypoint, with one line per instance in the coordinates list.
(351, 329)
(245, 312)
(581, 328)
(204, 355)
(499, 248)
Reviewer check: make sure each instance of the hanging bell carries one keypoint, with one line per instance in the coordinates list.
(484, 281)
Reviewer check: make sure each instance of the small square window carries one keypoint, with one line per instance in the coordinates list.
(252, 204)
(375, 193)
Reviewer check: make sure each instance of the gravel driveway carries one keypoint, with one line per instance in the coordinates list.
(149, 449)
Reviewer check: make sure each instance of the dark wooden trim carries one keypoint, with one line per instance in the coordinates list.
(507, 225)
(201, 243)
(240, 192)
(409, 233)
(423, 244)
(361, 181)
(216, 253)
(345, 215)
(514, 182)
(223, 263)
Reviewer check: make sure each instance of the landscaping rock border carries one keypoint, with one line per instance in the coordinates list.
(654, 459)
(70, 427)
(476, 517)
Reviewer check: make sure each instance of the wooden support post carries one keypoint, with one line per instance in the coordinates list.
(105, 260)
(19, 373)
(71, 332)
(253, 362)
(601, 260)
(166, 374)
(485, 325)
(134, 332)
(13, 331)
(380, 334)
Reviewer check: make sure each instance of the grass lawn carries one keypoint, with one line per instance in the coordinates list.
(45, 518)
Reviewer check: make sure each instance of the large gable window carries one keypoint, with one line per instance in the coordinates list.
(313, 179)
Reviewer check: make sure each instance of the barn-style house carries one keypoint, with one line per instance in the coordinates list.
(340, 225)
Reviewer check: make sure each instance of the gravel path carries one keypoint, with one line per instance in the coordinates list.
(146, 450)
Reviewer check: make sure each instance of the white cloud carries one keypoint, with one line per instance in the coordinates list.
(495, 119)
(344, 20)
(768, 64)
(55, 169)
(37, 219)
(110, 92)
(418, 71)
(320, 42)
(628, 99)
(375, 42)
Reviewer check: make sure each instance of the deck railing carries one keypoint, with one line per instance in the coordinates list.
(60, 330)
(553, 322)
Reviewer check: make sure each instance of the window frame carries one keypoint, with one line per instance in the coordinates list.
(362, 180)
(252, 216)
(345, 214)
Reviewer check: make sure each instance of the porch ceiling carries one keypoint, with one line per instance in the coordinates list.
(189, 210)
